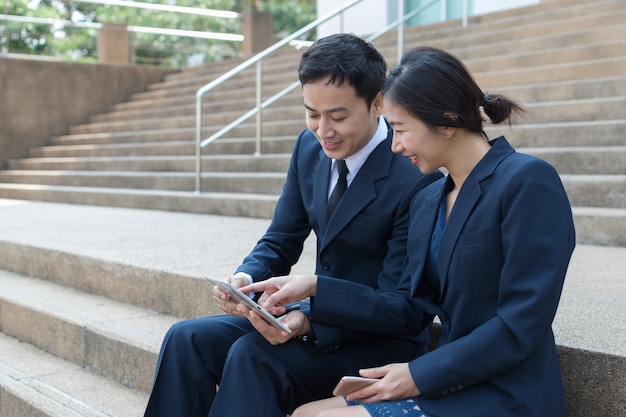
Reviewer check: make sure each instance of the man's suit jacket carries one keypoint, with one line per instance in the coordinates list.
(364, 241)
(502, 261)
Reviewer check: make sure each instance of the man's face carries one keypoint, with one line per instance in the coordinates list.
(342, 122)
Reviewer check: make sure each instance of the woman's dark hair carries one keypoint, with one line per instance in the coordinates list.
(345, 57)
(435, 87)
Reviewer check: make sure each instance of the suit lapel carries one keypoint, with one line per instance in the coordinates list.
(469, 196)
(361, 191)
(321, 179)
(422, 224)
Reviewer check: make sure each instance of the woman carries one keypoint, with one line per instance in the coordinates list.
(489, 247)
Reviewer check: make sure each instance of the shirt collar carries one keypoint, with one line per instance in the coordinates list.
(356, 161)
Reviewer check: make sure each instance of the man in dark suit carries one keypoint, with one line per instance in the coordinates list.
(270, 373)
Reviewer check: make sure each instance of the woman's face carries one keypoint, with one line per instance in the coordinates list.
(414, 139)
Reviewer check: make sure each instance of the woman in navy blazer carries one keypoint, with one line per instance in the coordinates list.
(488, 251)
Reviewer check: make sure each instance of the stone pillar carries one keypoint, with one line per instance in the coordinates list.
(113, 44)
(257, 29)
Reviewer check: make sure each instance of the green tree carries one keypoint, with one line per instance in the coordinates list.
(74, 43)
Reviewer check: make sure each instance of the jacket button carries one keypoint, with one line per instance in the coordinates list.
(325, 267)
(444, 392)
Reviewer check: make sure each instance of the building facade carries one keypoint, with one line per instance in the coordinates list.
(369, 16)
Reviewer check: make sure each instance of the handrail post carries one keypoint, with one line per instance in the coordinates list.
(259, 115)
(465, 13)
(198, 141)
(400, 30)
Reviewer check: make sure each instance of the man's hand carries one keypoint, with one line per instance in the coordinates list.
(222, 298)
(396, 383)
(279, 291)
(295, 320)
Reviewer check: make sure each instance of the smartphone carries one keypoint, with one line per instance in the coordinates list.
(348, 384)
(240, 297)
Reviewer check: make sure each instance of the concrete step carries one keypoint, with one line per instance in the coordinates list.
(583, 190)
(206, 73)
(588, 160)
(607, 67)
(590, 109)
(563, 134)
(590, 36)
(225, 104)
(486, 29)
(87, 306)
(596, 190)
(221, 182)
(245, 146)
(232, 204)
(113, 339)
(584, 89)
(248, 129)
(277, 114)
(599, 225)
(271, 65)
(564, 110)
(217, 163)
(567, 90)
(190, 98)
(271, 80)
(579, 133)
(533, 58)
(36, 383)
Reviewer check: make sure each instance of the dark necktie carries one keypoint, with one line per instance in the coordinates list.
(340, 188)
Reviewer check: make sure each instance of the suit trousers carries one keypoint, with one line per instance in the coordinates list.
(255, 378)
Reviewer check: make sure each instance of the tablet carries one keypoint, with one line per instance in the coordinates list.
(348, 384)
(243, 298)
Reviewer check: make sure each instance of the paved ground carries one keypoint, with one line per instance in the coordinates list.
(592, 314)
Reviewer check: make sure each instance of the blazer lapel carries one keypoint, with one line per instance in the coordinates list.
(321, 177)
(361, 191)
(469, 195)
(422, 224)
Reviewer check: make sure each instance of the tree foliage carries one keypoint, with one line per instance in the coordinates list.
(71, 42)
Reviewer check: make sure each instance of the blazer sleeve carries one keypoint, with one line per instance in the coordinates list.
(525, 265)
(365, 310)
(282, 244)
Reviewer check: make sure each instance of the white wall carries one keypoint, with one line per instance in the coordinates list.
(366, 17)
(370, 16)
(489, 6)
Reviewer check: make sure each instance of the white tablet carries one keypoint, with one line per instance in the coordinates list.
(243, 298)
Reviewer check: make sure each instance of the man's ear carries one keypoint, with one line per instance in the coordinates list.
(377, 105)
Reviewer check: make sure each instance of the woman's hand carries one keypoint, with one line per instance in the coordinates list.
(395, 383)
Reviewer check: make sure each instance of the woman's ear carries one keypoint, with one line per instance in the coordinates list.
(446, 131)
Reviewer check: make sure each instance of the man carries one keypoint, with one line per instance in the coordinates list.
(267, 372)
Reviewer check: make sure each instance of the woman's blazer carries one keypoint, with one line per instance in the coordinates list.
(503, 257)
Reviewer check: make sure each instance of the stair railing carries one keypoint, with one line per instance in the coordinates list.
(257, 59)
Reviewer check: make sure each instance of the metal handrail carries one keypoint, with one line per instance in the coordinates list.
(257, 60)
(229, 74)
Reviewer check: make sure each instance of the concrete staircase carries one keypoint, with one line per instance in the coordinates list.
(565, 60)
(87, 291)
